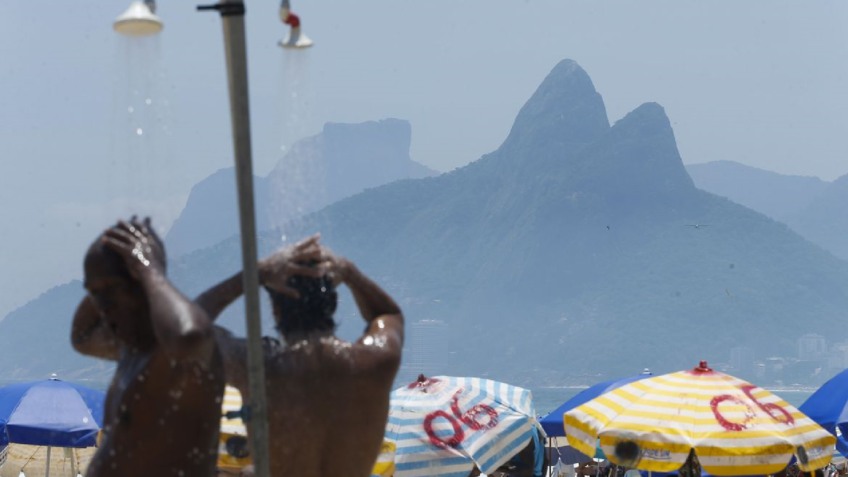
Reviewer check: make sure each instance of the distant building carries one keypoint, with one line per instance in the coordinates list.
(760, 371)
(811, 347)
(773, 370)
(837, 359)
(427, 350)
(742, 362)
(804, 373)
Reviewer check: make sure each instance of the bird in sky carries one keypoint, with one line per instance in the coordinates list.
(697, 226)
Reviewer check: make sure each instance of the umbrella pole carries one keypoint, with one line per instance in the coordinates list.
(47, 470)
(232, 17)
(73, 463)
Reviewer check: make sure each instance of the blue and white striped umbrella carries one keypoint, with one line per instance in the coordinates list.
(444, 426)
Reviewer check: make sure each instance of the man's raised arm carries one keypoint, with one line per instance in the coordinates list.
(182, 328)
(277, 268)
(91, 336)
(378, 309)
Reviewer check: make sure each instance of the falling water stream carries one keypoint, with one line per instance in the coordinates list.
(139, 178)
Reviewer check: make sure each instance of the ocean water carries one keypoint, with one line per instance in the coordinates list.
(548, 399)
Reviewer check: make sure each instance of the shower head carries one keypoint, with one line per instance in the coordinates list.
(139, 20)
(296, 38)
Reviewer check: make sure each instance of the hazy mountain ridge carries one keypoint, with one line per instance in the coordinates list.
(777, 195)
(567, 252)
(35, 340)
(812, 207)
(342, 160)
(545, 244)
(825, 219)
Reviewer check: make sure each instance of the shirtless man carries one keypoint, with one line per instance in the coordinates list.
(328, 399)
(163, 407)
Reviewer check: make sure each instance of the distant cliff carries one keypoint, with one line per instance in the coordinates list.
(344, 159)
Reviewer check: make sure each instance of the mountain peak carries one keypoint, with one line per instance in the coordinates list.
(391, 133)
(639, 158)
(565, 112)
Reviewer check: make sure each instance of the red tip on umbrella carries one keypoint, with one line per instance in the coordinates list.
(702, 368)
(423, 383)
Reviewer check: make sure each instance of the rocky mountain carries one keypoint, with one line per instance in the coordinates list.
(777, 195)
(342, 160)
(824, 220)
(570, 251)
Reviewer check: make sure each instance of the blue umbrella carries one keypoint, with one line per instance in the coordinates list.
(828, 407)
(50, 413)
(552, 423)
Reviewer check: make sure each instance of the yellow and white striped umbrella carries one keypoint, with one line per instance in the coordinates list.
(734, 427)
(233, 435)
(232, 402)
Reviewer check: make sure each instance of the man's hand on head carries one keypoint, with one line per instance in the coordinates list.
(138, 245)
(275, 270)
(334, 266)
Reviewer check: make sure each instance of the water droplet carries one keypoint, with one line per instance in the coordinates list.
(284, 238)
(139, 131)
(130, 109)
(148, 101)
(85, 420)
(283, 148)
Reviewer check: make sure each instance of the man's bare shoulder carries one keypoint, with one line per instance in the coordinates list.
(376, 354)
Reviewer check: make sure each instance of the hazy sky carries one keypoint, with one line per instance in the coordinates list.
(759, 82)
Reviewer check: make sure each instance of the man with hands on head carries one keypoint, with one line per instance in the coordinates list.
(326, 396)
(163, 407)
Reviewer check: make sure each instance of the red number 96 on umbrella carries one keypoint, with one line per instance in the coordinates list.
(481, 417)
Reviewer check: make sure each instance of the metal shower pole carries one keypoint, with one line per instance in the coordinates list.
(232, 17)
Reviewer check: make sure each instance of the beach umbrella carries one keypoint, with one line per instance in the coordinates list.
(829, 408)
(445, 426)
(385, 464)
(51, 414)
(553, 422)
(735, 428)
(233, 452)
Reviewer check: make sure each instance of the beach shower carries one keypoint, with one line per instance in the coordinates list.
(139, 20)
